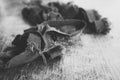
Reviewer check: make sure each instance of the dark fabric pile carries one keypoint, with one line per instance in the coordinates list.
(73, 17)
(35, 15)
(51, 23)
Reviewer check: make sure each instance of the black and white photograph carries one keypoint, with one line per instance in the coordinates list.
(59, 39)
